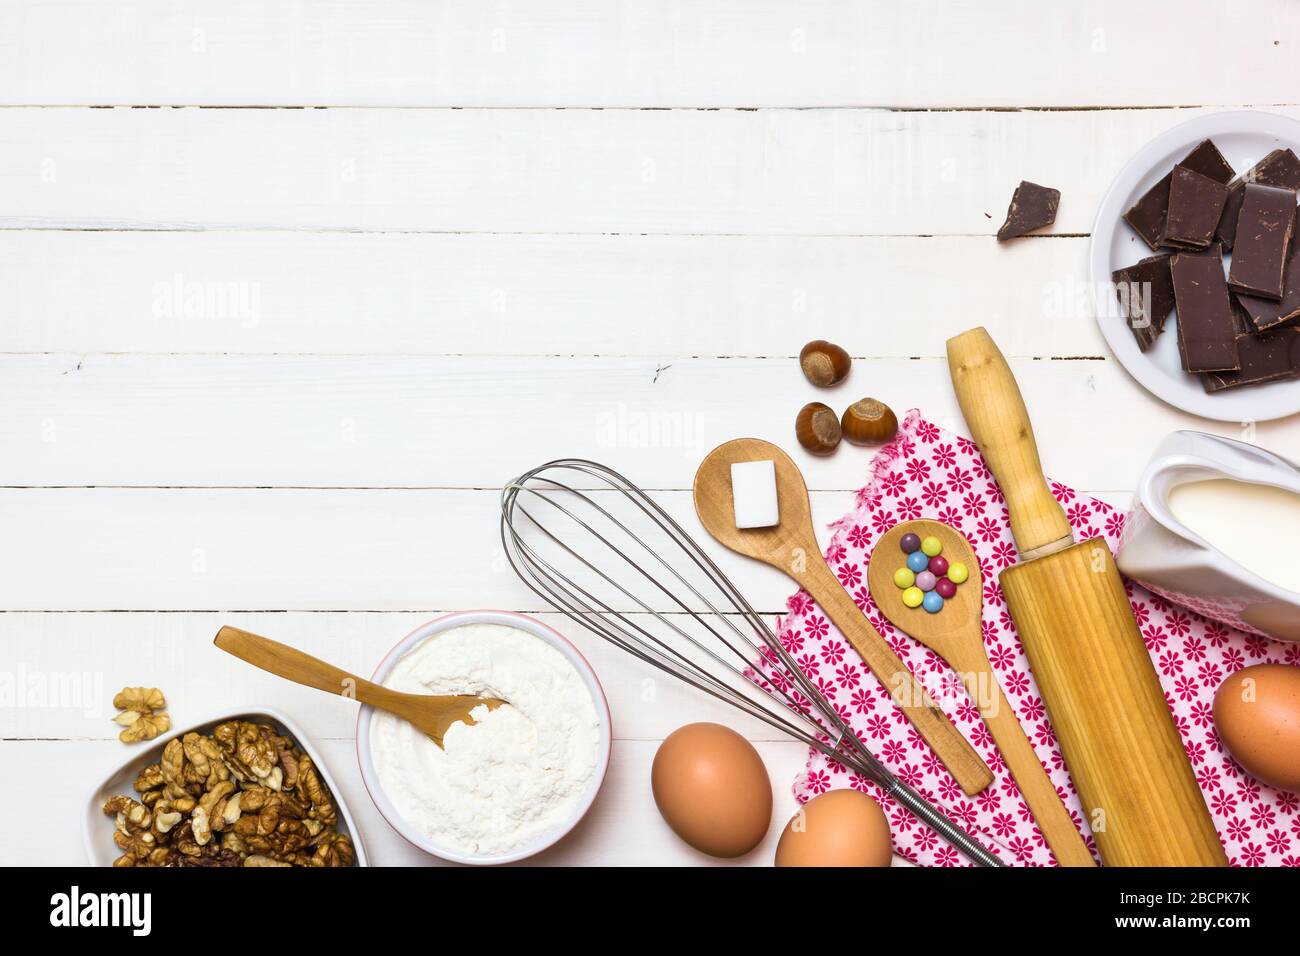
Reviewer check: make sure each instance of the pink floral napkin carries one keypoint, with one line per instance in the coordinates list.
(927, 472)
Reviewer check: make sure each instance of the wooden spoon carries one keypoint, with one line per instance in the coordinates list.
(791, 547)
(429, 714)
(956, 635)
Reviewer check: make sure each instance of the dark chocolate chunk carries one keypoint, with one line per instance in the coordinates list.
(1207, 328)
(1267, 357)
(1032, 207)
(1264, 231)
(1240, 320)
(1266, 315)
(1146, 297)
(1278, 168)
(1147, 217)
(1195, 205)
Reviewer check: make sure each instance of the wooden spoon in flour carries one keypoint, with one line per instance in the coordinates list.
(429, 714)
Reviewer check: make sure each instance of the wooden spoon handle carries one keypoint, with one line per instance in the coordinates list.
(292, 664)
(1036, 787)
(961, 759)
(998, 421)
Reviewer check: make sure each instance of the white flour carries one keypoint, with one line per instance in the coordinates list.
(517, 773)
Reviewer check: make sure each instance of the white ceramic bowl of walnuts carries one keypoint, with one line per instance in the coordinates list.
(98, 828)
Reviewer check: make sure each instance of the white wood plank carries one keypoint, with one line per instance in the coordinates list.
(368, 293)
(766, 172)
(622, 828)
(61, 671)
(644, 53)
(478, 422)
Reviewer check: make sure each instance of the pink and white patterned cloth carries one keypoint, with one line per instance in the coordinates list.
(927, 472)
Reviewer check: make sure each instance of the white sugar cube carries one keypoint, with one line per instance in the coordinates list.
(753, 494)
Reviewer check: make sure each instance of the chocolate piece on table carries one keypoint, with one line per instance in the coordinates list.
(1267, 357)
(1266, 315)
(1264, 231)
(1147, 217)
(1195, 205)
(1032, 207)
(1146, 296)
(1207, 328)
(1279, 168)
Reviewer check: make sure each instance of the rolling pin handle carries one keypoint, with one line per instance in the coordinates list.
(995, 411)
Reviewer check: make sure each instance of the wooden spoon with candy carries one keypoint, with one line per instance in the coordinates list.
(925, 579)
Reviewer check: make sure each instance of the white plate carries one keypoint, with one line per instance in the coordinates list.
(1244, 138)
(97, 829)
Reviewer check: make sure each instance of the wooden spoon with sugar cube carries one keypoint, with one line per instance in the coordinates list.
(791, 547)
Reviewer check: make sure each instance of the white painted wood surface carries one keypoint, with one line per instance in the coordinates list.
(917, 53)
(770, 172)
(655, 297)
(272, 366)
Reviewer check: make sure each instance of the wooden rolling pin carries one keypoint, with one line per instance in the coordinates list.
(1140, 797)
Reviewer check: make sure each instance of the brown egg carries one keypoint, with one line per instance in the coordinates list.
(1257, 714)
(839, 828)
(712, 788)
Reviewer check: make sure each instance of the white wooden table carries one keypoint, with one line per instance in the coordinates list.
(287, 292)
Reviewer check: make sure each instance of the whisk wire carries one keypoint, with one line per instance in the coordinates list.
(745, 666)
(791, 671)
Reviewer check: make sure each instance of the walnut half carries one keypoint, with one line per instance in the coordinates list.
(140, 714)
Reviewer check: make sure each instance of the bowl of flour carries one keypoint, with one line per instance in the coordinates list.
(518, 779)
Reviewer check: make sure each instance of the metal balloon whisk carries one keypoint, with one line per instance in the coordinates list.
(600, 551)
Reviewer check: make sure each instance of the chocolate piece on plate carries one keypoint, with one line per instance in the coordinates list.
(1264, 357)
(1240, 319)
(1146, 296)
(1207, 328)
(1147, 217)
(1266, 315)
(1032, 207)
(1279, 168)
(1264, 231)
(1195, 205)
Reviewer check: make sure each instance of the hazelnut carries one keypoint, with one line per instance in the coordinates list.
(817, 428)
(869, 422)
(824, 364)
